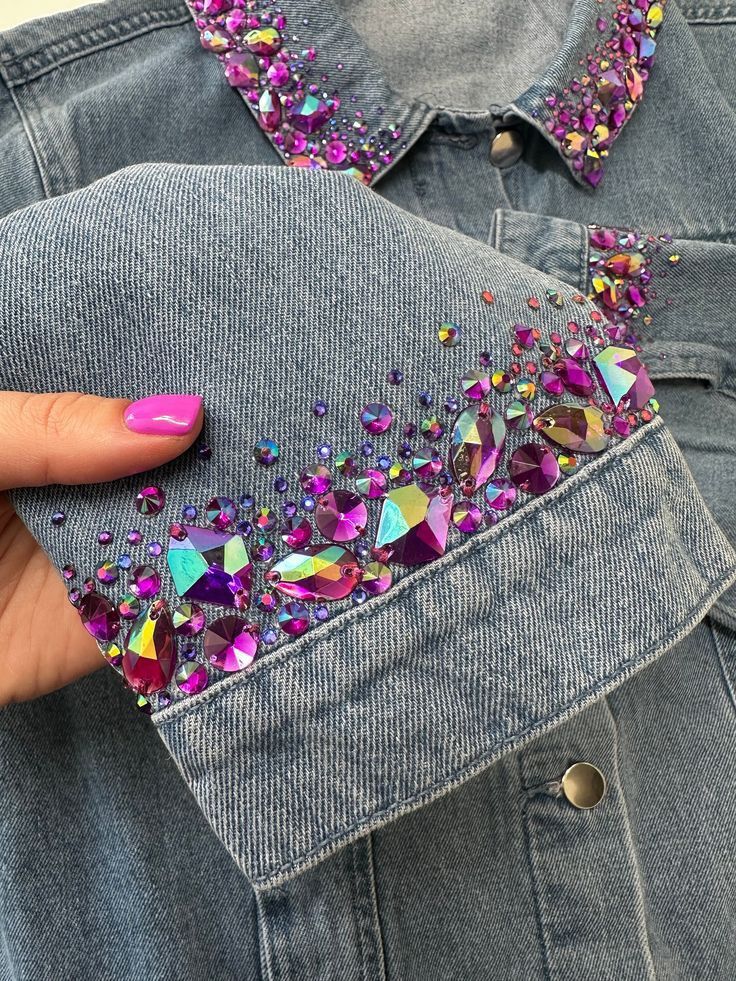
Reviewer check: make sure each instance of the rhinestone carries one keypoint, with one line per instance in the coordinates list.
(296, 532)
(376, 578)
(150, 501)
(99, 617)
(150, 651)
(526, 336)
(346, 464)
(518, 415)
(310, 114)
(315, 572)
(267, 602)
(263, 41)
(475, 384)
(266, 452)
(341, 516)
(478, 439)
(502, 381)
(113, 655)
(58, 518)
(107, 572)
(129, 607)
(526, 389)
(574, 377)
(210, 566)
(414, 524)
(449, 334)
(242, 70)
(580, 429)
(376, 418)
(265, 520)
(371, 484)
(221, 513)
(500, 494)
(188, 619)
(576, 349)
(426, 462)
(144, 582)
(294, 618)
(230, 643)
(192, 677)
(315, 479)
(623, 376)
(551, 383)
(467, 516)
(104, 538)
(568, 463)
(534, 468)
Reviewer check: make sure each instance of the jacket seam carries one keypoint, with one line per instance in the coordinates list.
(447, 783)
(30, 136)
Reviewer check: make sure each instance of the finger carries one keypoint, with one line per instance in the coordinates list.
(70, 438)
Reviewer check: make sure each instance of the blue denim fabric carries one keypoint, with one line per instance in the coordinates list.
(387, 788)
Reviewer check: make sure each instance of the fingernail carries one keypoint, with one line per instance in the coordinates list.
(163, 415)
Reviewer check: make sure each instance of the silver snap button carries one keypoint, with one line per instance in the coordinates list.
(506, 148)
(583, 785)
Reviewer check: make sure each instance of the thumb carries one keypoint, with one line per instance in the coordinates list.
(70, 438)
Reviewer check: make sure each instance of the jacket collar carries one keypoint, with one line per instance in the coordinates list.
(314, 89)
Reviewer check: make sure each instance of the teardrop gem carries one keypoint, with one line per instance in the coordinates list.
(577, 428)
(316, 572)
(478, 439)
(149, 656)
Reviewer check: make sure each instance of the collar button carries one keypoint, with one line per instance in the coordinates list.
(583, 785)
(507, 147)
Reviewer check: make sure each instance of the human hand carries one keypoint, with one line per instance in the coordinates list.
(67, 438)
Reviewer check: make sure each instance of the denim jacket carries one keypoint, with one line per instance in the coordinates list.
(386, 271)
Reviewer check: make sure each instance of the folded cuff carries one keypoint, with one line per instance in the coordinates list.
(367, 717)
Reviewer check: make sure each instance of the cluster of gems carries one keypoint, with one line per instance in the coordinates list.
(298, 107)
(587, 116)
(247, 574)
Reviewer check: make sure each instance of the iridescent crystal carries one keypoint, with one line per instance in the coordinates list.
(376, 578)
(315, 572)
(574, 377)
(210, 566)
(269, 110)
(426, 462)
(414, 523)
(500, 494)
(149, 652)
(578, 428)
(263, 41)
(191, 677)
(99, 617)
(467, 516)
(376, 418)
(150, 501)
(293, 618)
(623, 376)
(475, 384)
(144, 582)
(221, 513)
(188, 619)
(341, 516)
(296, 532)
(315, 479)
(477, 443)
(242, 70)
(230, 643)
(449, 334)
(371, 483)
(534, 468)
(266, 452)
(310, 114)
(518, 415)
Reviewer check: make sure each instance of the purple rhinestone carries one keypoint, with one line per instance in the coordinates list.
(534, 468)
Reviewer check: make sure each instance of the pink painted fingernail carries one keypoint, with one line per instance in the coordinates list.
(163, 415)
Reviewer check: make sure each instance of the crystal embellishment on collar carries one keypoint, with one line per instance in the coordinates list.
(589, 113)
(295, 101)
(346, 520)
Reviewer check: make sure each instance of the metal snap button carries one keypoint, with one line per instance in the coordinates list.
(583, 785)
(506, 147)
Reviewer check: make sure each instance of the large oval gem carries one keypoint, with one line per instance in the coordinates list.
(478, 438)
(317, 572)
(414, 524)
(578, 428)
(149, 655)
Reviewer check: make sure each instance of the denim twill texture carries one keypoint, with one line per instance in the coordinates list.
(498, 877)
